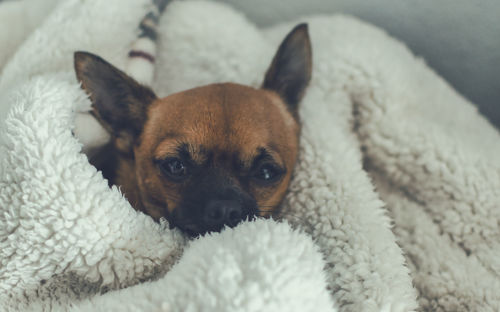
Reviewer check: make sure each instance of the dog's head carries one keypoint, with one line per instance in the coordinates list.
(206, 157)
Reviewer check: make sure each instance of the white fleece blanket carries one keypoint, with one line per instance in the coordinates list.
(386, 144)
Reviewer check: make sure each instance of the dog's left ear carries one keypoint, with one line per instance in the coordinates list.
(119, 102)
(290, 70)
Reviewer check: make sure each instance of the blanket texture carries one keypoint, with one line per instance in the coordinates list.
(393, 205)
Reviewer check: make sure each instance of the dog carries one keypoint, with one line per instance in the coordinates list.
(207, 157)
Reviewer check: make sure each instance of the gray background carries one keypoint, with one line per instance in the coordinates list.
(460, 39)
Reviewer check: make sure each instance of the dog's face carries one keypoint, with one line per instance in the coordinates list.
(206, 157)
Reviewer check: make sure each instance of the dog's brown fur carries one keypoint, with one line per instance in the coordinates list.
(227, 124)
(212, 112)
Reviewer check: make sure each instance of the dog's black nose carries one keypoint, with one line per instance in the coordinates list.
(223, 212)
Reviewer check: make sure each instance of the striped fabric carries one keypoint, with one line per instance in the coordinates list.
(141, 58)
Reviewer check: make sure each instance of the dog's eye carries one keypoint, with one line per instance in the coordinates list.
(174, 168)
(267, 173)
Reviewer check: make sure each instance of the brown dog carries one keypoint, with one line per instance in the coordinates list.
(207, 157)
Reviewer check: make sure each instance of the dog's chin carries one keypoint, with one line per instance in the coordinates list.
(193, 230)
(190, 228)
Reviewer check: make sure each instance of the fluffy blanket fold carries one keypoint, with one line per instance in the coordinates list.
(393, 205)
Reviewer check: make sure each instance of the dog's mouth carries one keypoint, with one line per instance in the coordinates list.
(195, 229)
(190, 230)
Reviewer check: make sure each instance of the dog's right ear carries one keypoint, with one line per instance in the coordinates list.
(119, 102)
